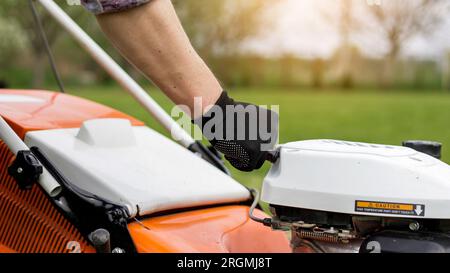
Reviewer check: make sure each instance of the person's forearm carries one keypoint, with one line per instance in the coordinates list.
(152, 38)
(149, 34)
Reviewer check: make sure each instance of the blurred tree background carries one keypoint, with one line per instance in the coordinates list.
(221, 31)
(24, 61)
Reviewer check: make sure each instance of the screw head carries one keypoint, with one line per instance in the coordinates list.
(19, 170)
(118, 250)
(414, 226)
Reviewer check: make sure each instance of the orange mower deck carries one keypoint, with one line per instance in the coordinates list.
(50, 110)
(29, 222)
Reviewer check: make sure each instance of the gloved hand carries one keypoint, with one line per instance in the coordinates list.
(243, 132)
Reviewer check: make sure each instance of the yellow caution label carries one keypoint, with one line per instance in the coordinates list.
(390, 208)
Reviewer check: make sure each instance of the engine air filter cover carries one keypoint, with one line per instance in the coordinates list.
(359, 179)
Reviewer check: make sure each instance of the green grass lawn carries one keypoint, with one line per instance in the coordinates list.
(388, 117)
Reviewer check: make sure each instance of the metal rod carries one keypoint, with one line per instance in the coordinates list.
(116, 72)
(40, 30)
(15, 144)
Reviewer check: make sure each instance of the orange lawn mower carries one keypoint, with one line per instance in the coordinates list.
(77, 176)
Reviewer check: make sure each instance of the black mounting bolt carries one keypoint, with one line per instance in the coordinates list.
(101, 239)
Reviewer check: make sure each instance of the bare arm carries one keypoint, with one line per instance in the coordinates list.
(151, 37)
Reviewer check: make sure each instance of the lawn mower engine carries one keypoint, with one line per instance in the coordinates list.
(339, 196)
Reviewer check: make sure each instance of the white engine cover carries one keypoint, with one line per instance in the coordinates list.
(359, 178)
(135, 167)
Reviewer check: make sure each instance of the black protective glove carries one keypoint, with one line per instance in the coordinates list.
(251, 132)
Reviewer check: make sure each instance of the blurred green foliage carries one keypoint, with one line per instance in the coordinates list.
(207, 25)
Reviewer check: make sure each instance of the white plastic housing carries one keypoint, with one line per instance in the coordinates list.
(330, 175)
(135, 167)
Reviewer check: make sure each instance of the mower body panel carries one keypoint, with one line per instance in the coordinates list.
(33, 110)
(225, 229)
(359, 178)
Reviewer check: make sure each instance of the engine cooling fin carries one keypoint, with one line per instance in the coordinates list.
(29, 223)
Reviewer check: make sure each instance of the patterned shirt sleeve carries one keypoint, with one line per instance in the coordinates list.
(108, 6)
